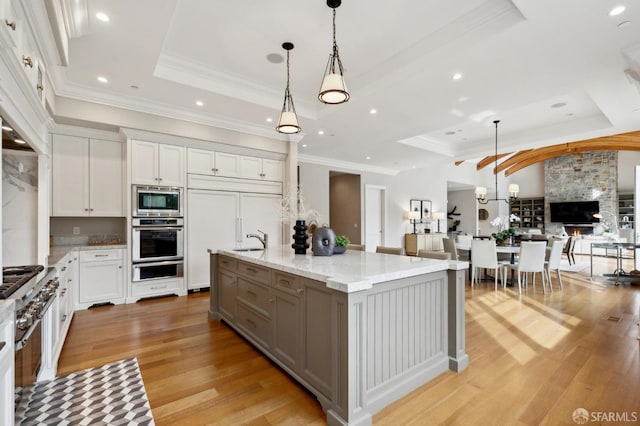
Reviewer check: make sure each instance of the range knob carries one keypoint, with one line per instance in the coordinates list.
(24, 321)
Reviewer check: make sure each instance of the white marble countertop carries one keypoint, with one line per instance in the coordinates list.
(349, 272)
(6, 310)
(58, 252)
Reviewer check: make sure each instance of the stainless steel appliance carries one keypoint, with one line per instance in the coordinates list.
(157, 239)
(155, 270)
(32, 299)
(161, 201)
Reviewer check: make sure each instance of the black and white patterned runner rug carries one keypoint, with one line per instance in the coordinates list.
(113, 394)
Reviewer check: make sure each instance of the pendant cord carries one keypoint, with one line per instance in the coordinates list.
(495, 160)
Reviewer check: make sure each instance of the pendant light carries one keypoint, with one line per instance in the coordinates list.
(288, 122)
(481, 191)
(333, 89)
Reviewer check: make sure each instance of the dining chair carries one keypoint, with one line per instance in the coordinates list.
(531, 259)
(484, 255)
(390, 250)
(430, 254)
(553, 264)
(450, 247)
(357, 247)
(569, 249)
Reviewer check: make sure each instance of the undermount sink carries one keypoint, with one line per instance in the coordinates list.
(248, 249)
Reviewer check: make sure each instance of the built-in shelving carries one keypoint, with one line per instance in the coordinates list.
(530, 211)
(626, 211)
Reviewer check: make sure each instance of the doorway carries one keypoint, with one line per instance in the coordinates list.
(345, 205)
(374, 216)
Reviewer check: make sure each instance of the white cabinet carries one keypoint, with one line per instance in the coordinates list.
(203, 162)
(87, 177)
(7, 366)
(220, 219)
(261, 168)
(157, 164)
(101, 277)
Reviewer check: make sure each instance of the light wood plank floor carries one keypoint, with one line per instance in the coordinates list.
(534, 359)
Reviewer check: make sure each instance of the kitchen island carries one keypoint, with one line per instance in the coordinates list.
(359, 330)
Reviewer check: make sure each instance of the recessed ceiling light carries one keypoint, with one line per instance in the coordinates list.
(102, 16)
(7, 128)
(373, 111)
(199, 103)
(102, 79)
(624, 24)
(559, 105)
(275, 58)
(457, 76)
(304, 145)
(321, 132)
(617, 10)
(20, 141)
(269, 120)
(368, 158)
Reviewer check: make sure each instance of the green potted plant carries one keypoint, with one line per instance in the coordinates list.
(341, 244)
(504, 236)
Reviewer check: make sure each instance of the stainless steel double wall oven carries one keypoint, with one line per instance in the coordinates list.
(157, 233)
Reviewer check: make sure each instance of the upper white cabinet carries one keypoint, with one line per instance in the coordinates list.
(203, 162)
(157, 164)
(261, 168)
(87, 176)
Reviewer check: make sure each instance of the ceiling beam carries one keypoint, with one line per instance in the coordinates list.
(488, 160)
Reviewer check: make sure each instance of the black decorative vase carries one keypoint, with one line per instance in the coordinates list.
(300, 245)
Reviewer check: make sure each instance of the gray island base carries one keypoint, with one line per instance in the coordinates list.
(359, 330)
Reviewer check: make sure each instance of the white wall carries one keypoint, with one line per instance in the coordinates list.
(627, 162)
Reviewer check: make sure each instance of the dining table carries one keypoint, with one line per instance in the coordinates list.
(619, 248)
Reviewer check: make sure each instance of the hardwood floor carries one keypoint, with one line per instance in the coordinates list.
(534, 359)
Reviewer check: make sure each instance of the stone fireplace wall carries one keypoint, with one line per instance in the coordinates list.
(582, 177)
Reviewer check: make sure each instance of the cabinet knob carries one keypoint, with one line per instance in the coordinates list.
(90, 210)
(86, 210)
(300, 290)
(39, 87)
(271, 300)
(120, 267)
(11, 25)
(27, 61)
(159, 179)
(64, 268)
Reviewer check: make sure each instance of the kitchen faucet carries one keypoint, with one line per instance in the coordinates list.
(264, 239)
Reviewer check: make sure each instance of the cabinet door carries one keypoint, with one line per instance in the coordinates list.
(200, 161)
(272, 169)
(106, 167)
(70, 176)
(228, 293)
(211, 224)
(101, 282)
(171, 165)
(250, 167)
(227, 164)
(144, 163)
(261, 212)
(286, 327)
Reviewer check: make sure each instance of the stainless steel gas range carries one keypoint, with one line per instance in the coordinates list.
(32, 298)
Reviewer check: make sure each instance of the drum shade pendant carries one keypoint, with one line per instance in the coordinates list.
(333, 89)
(481, 191)
(288, 122)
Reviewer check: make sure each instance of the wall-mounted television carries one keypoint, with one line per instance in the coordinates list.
(574, 211)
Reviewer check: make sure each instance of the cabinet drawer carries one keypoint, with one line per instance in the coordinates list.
(227, 263)
(254, 272)
(285, 282)
(100, 255)
(156, 287)
(254, 325)
(255, 295)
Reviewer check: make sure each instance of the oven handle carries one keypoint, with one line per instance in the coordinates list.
(164, 263)
(156, 228)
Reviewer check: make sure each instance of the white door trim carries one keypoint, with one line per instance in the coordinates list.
(383, 211)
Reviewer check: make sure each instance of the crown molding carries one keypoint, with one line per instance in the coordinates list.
(182, 71)
(65, 129)
(346, 165)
